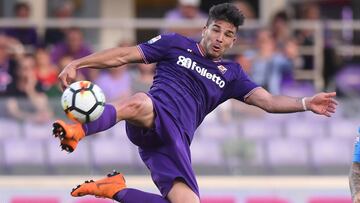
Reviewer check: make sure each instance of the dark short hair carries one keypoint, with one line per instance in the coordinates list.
(21, 5)
(227, 12)
(281, 15)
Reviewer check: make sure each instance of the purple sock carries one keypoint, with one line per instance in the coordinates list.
(104, 122)
(129, 195)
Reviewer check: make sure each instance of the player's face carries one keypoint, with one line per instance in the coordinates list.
(217, 37)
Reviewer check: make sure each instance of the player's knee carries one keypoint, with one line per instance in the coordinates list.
(137, 103)
(137, 109)
(138, 100)
(137, 106)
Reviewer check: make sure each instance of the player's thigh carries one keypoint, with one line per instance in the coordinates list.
(137, 109)
(180, 193)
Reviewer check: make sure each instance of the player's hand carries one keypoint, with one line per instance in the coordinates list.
(323, 104)
(68, 75)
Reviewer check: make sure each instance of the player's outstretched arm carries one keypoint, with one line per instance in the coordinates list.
(109, 58)
(354, 180)
(321, 103)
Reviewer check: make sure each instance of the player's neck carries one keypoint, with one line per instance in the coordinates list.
(204, 53)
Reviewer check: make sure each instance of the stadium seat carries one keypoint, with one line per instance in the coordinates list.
(287, 156)
(62, 162)
(218, 200)
(266, 200)
(331, 151)
(24, 156)
(118, 131)
(330, 200)
(113, 153)
(261, 128)
(331, 155)
(216, 130)
(278, 118)
(37, 131)
(34, 200)
(344, 128)
(305, 128)
(244, 155)
(9, 124)
(206, 151)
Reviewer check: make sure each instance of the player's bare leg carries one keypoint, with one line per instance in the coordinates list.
(138, 110)
(180, 192)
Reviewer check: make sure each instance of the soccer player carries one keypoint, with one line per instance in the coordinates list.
(191, 80)
(355, 172)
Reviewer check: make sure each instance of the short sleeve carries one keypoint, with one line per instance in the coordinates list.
(156, 48)
(242, 86)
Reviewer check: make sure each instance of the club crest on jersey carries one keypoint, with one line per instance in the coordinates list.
(153, 40)
(222, 69)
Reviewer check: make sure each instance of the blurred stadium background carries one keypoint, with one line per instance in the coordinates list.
(241, 154)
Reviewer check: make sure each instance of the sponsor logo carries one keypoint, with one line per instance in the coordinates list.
(188, 63)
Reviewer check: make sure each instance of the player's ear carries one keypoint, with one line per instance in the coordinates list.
(232, 43)
(203, 31)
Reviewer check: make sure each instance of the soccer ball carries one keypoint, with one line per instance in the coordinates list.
(83, 101)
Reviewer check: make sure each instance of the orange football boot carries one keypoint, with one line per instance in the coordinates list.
(69, 134)
(104, 188)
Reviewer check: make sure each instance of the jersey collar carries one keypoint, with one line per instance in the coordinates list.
(202, 52)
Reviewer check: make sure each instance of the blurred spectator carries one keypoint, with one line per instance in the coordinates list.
(245, 8)
(25, 78)
(118, 77)
(269, 67)
(26, 35)
(244, 61)
(65, 60)
(27, 101)
(348, 81)
(246, 35)
(280, 29)
(10, 51)
(56, 35)
(310, 12)
(115, 83)
(142, 77)
(186, 10)
(46, 73)
(75, 47)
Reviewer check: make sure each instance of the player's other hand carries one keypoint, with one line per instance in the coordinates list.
(68, 75)
(322, 103)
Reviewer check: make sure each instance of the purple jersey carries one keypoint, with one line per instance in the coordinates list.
(190, 84)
